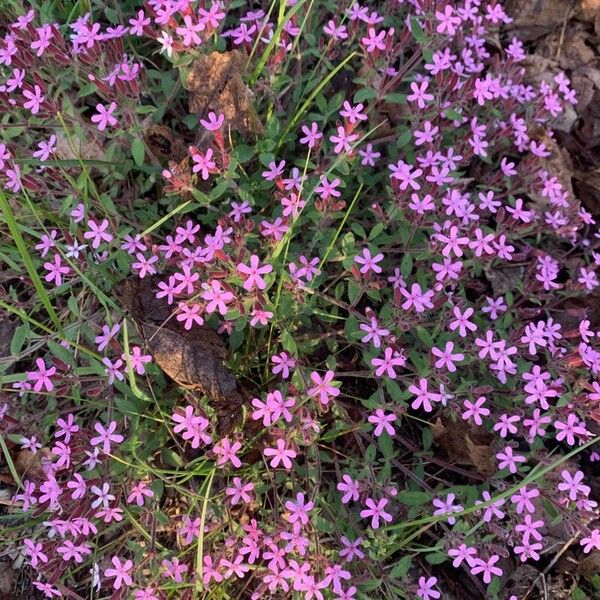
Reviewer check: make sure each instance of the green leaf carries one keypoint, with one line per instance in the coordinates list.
(395, 98)
(288, 343)
(61, 353)
(436, 558)
(417, 31)
(354, 291)
(365, 94)
(413, 498)
(406, 265)
(138, 151)
(403, 139)
(385, 445)
(401, 568)
(452, 114)
(19, 337)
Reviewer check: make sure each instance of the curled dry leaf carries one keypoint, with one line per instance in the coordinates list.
(465, 444)
(215, 84)
(193, 359)
(164, 143)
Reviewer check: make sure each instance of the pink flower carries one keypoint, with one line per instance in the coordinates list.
(573, 485)
(391, 358)
(97, 233)
(138, 492)
(323, 388)
(42, 376)
(487, 568)
(417, 298)
(509, 460)
(368, 262)
(254, 273)
(106, 436)
(349, 487)
(446, 357)
(280, 454)
(120, 572)
(591, 542)
(240, 491)
(104, 116)
(426, 591)
(376, 511)
(567, 431)
(226, 451)
(382, 422)
(214, 121)
(283, 363)
(298, 512)
(203, 163)
(475, 410)
(34, 99)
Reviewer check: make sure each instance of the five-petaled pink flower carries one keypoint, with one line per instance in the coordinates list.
(120, 573)
(323, 388)
(104, 116)
(254, 273)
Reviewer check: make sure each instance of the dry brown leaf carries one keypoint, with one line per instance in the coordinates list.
(534, 18)
(464, 444)
(590, 8)
(215, 84)
(164, 143)
(28, 463)
(193, 359)
(7, 577)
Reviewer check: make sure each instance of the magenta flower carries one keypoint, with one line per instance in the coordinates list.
(214, 121)
(323, 388)
(226, 451)
(42, 376)
(104, 116)
(446, 357)
(572, 484)
(507, 459)
(106, 436)
(203, 163)
(382, 422)
(417, 299)
(280, 454)
(120, 573)
(487, 568)
(475, 410)
(391, 358)
(97, 233)
(368, 262)
(591, 542)
(240, 491)
(254, 273)
(376, 511)
(426, 589)
(349, 488)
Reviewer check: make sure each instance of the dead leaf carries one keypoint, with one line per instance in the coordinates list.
(164, 143)
(194, 358)
(465, 444)
(7, 577)
(535, 18)
(8, 327)
(590, 8)
(74, 148)
(29, 464)
(589, 567)
(215, 84)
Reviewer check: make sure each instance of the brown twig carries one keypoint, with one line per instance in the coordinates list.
(563, 29)
(565, 547)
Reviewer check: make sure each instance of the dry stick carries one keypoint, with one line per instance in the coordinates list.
(565, 547)
(563, 29)
(438, 461)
